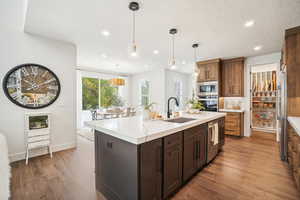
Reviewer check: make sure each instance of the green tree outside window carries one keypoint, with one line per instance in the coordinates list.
(99, 93)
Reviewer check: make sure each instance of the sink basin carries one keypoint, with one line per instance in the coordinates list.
(180, 120)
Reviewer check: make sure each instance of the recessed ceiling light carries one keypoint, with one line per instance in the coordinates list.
(105, 33)
(103, 55)
(156, 52)
(173, 67)
(133, 54)
(257, 48)
(249, 23)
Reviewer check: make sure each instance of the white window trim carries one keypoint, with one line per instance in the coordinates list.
(140, 91)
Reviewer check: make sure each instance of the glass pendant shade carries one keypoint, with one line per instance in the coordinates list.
(117, 82)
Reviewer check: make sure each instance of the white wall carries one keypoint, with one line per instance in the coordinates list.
(161, 86)
(250, 62)
(157, 88)
(83, 115)
(171, 78)
(17, 48)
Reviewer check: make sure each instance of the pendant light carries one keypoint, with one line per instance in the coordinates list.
(117, 82)
(173, 32)
(195, 46)
(133, 6)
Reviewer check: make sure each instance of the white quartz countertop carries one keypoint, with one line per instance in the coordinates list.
(231, 110)
(137, 131)
(295, 123)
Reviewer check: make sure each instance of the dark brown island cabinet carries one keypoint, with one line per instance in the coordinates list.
(153, 170)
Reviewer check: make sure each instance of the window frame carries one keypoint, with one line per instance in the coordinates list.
(141, 95)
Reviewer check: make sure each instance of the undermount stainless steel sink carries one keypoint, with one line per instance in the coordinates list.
(180, 120)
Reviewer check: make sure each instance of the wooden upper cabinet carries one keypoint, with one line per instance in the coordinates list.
(233, 77)
(209, 70)
(292, 61)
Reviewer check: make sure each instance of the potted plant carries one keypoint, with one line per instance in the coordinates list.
(147, 110)
(195, 106)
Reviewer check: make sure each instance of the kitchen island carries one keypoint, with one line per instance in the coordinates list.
(147, 160)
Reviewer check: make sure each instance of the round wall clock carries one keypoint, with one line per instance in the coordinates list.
(31, 86)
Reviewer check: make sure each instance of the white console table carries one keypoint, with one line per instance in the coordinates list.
(38, 132)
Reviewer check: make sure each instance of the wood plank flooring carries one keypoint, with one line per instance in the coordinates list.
(248, 168)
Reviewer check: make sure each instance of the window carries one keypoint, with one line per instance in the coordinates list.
(108, 94)
(178, 91)
(144, 93)
(90, 93)
(99, 93)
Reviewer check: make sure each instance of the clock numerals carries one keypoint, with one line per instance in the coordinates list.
(34, 70)
(44, 74)
(24, 71)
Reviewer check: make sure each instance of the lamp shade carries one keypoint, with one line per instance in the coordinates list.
(117, 82)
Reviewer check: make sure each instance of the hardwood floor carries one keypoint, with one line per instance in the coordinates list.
(248, 168)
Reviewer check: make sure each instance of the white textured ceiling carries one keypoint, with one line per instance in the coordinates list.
(218, 25)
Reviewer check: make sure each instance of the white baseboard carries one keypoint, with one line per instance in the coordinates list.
(41, 151)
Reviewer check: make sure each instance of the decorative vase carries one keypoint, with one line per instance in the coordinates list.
(146, 114)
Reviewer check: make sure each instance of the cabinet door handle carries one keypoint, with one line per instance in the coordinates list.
(109, 145)
(198, 149)
(195, 150)
(159, 159)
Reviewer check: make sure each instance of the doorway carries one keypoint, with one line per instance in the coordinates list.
(264, 99)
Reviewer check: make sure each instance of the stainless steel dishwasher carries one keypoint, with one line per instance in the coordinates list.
(212, 141)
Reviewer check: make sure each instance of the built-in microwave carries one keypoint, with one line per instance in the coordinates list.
(208, 88)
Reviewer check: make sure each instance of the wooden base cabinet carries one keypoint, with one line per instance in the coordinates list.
(221, 133)
(153, 170)
(172, 164)
(234, 123)
(294, 154)
(194, 154)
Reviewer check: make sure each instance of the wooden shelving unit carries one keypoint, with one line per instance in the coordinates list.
(264, 100)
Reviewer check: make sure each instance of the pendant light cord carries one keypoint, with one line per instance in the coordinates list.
(195, 55)
(133, 31)
(173, 48)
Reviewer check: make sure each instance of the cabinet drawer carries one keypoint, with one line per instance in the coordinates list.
(38, 144)
(232, 132)
(233, 116)
(233, 128)
(38, 138)
(236, 123)
(172, 140)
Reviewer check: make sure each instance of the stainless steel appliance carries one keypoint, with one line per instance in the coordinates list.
(208, 88)
(210, 103)
(281, 113)
(212, 141)
(208, 94)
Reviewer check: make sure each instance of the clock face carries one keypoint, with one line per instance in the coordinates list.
(31, 86)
